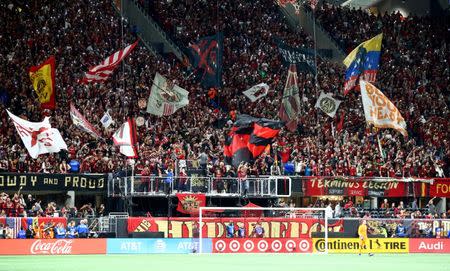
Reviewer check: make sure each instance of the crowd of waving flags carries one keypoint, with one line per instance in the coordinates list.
(249, 136)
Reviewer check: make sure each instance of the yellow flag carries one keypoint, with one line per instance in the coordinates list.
(43, 80)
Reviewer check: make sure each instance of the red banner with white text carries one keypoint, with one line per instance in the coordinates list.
(262, 245)
(435, 245)
(215, 227)
(52, 246)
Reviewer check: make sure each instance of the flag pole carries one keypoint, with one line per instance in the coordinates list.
(315, 47)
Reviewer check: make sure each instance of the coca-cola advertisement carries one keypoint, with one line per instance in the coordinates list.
(52, 246)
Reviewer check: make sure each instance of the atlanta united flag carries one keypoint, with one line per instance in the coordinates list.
(328, 104)
(379, 111)
(125, 138)
(102, 71)
(38, 137)
(166, 98)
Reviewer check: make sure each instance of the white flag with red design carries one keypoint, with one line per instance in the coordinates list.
(38, 137)
(125, 138)
(102, 72)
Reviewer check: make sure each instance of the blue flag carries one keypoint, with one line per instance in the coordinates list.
(363, 60)
(206, 57)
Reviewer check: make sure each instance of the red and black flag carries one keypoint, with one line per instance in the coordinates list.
(248, 138)
(206, 56)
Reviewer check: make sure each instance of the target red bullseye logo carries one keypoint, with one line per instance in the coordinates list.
(234, 245)
(276, 245)
(249, 246)
(303, 245)
(220, 245)
(290, 245)
(263, 245)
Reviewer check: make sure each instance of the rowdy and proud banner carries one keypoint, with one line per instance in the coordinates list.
(379, 111)
(165, 99)
(43, 80)
(190, 203)
(328, 104)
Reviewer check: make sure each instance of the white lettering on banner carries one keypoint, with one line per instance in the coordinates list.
(187, 245)
(51, 247)
(437, 246)
(131, 246)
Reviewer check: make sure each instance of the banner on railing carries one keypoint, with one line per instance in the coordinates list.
(348, 187)
(42, 226)
(274, 227)
(53, 182)
(189, 203)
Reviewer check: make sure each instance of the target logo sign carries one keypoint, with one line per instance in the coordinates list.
(304, 246)
(290, 245)
(262, 245)
(276, 245)
(249, 245)
(220, 246)
(235, 245)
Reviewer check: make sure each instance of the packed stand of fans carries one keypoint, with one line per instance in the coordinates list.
(18, 205)
(31, 32)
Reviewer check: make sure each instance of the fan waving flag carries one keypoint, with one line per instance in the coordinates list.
(328, 104)
(248, 138)
(166, 98)
(206, 57)
(290, 104)
(38, 137)
(256, 92)
(379, 111)
(80, 122)
(43, 80)
(125, 138)
(101, 73)
(363, 60)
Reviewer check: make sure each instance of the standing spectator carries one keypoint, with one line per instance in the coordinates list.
(431, 207)
(60, 231)
(329, 211)
(338, 210)
(82, 229)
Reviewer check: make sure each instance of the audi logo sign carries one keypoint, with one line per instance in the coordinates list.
(262, 245)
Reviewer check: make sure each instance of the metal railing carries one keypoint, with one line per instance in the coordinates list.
(267, 186)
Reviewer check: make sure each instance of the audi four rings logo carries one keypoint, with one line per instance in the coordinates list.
(262, 245)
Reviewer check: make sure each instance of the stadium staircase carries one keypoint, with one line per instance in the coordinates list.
(326, 45)
(155, 39)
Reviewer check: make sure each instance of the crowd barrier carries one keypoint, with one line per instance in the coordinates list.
(219, 245)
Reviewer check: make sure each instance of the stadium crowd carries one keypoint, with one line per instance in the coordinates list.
(414, 74)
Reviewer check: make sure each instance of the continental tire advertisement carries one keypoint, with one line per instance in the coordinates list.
(351, 245)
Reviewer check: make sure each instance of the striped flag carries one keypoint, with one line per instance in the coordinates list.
(102, 72)
(14, 223)
(82, 123)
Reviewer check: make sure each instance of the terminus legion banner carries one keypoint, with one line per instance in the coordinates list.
(53, 182)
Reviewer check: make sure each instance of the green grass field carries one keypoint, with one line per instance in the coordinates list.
(228, 262)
